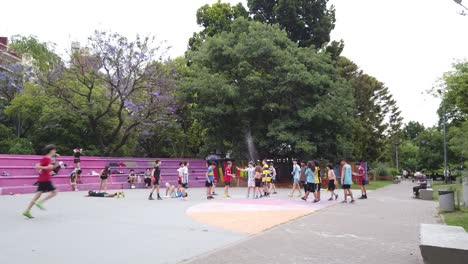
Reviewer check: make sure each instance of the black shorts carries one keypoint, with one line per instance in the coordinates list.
(310, 187)
(208, 184)
(45, 187)
(258, 182)
(184, 185)
(76, 161)
(103, 177)
(156, 180)
(147, 181)
(363, 182)
(331, 185)
(227, 183)
(318, 186)
(346, 186)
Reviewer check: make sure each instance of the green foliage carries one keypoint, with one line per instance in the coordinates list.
(263, 83)
(41, 53)
(430, 143)
(308, 23)
(215, 19)
(374, 106)
(409, 156)
(381, 169)
(458, 142)
(18, 146)
(412, 130)
(454, 94)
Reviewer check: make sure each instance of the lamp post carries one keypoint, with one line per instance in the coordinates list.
(446, 173)
(460, 3)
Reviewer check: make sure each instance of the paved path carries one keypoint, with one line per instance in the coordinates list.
(382, 229)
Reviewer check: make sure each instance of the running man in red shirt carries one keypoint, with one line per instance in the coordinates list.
(44, 181)
(227, 179)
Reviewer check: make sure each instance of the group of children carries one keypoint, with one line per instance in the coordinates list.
(309, 176)
(259, 179)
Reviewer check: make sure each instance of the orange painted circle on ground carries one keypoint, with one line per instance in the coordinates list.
(252, 216)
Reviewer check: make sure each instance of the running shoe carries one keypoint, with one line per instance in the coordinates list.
(316, 201)
(28, 214)
(344, 202)
(151, 198)
(40, 205)
(331, 199)
(303, 198)
(352, 201)
(290, 195)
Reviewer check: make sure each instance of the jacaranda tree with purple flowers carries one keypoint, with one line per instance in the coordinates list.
(121, 87)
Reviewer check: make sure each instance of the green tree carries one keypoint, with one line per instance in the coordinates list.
(254, 81)
(454, 93)
(120, 88)
(215, 19)
(42, 54)
(458, 142)
(430, 143)
(412, 130)
(377, 118)
(307, 22)
(409, 156)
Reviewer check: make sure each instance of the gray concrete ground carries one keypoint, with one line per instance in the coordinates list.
(383, 229)
(77, 230)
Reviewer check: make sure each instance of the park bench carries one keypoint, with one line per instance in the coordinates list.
(428, 193)
(443, 244)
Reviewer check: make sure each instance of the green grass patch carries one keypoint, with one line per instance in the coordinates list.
(373, 185)
(460, 216)
(457, 218)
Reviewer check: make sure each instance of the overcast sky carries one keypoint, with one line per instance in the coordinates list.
(407, 44)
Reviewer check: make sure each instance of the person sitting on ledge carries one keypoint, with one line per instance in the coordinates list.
(105, 195)
(132, 178)
(422, 181)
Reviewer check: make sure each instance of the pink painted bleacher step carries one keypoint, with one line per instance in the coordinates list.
(22, 174)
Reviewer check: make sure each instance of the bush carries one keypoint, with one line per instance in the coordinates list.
(17, 146)
(381, 169)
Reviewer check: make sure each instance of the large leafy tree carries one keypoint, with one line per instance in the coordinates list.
(307, 22)
(376, 118)
(254, 81)
(120, 87)
(430, 143)
(412, 130)
(215, 19)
